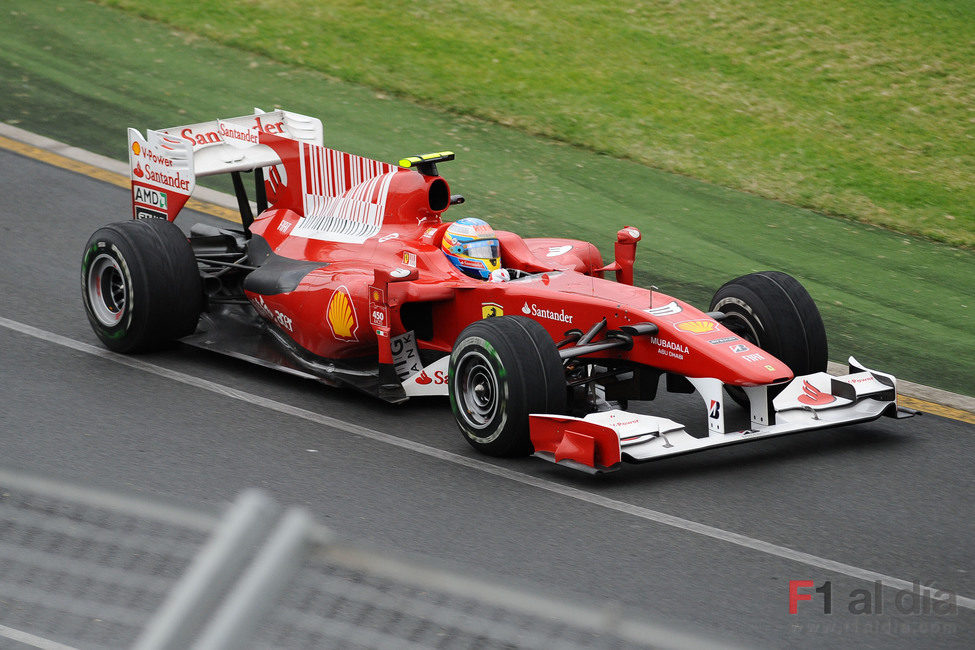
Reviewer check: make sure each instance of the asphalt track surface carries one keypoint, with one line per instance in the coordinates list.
(705, 542)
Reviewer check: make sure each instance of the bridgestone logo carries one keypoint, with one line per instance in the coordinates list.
(539, 312)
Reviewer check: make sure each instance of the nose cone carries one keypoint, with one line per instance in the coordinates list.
(692, 343)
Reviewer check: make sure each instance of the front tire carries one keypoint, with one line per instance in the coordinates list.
(140, 285)
(501, 370)
(775, 312)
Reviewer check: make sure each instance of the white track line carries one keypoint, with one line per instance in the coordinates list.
(474, 463)
(32, 640)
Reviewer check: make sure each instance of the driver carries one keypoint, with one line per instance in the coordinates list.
(472, 246)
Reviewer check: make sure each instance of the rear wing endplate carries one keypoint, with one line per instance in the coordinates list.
(164, 165)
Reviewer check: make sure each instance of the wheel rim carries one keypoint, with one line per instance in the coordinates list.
(107, 292)
(477, 388)
(739, 319)
(741, 326)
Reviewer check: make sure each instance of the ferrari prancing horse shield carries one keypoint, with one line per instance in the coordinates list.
(489, 309)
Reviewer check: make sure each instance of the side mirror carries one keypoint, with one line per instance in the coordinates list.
(625, 250)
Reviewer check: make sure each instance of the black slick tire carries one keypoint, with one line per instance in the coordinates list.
(774, 311)
(140, 285)
(501, 370)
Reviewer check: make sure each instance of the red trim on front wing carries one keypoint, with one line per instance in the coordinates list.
(590, 444)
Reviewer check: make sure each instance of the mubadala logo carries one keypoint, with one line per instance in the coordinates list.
(670, 345)
(148, 196)
(540, 312)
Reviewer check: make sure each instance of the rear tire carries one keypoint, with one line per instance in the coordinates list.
(502, 369)
(140, 285)
(773, 311)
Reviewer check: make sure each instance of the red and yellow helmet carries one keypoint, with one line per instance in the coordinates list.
(472, 246)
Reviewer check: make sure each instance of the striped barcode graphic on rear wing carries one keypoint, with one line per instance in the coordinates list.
(344, 195)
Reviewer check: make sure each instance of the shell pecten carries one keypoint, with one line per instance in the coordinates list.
(697, 326)
(340, 315)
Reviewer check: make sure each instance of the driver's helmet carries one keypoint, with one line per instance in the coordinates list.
(472, 246)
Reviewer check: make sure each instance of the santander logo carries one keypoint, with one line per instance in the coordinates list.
(541, 312)
(813, 396)
(439, 378)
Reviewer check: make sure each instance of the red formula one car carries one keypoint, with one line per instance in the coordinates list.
(345, 275)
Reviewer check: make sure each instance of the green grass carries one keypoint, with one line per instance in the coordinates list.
(82, 73)
(862, 108)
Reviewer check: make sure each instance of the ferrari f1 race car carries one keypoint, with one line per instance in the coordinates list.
(348, 274)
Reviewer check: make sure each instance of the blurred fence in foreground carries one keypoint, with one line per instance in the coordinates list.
(82, 568)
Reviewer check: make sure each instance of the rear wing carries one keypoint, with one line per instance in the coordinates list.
(337, 196)
(164, 165)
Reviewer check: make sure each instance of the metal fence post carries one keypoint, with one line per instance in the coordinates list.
(199, 591)
(258, 589)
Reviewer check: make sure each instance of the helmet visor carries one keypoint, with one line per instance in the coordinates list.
(482, 249)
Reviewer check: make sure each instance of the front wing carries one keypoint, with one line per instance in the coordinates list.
(601, 441)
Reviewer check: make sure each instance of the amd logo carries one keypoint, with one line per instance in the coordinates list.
(149, 196)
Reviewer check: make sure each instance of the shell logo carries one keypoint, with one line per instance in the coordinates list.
(697, 326)
(136, 149)
(341, 316)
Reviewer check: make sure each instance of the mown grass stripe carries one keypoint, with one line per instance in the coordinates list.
(859, 109)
